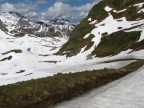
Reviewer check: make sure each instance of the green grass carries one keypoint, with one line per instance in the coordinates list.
(131, 14)
(44, 92)
(138, 46)
(116, 42)
(121, 4)
(74, 45)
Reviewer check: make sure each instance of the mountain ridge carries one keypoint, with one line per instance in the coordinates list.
(102, 13)
(16, 24)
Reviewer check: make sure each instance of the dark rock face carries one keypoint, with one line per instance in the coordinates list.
(17, 14)
(2, 26)
(59, 21)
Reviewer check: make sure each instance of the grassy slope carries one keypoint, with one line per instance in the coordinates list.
(98, 13)
(116, 42)
(47, 91)
(75, 45)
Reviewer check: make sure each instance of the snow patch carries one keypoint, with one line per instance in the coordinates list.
(89, 19)
(139, 5)
(141, 11)
(142, 36)
(108, 9)
(86, 36)
(119, 11)
(93, 22)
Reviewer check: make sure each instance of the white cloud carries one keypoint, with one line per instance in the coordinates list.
(59, 9)
(7, 7)
(21, 7)
(74, 13)
(24, 8)
(32, 14)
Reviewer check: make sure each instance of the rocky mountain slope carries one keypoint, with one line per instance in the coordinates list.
(111, 36)
(17, 25)
(110, 27)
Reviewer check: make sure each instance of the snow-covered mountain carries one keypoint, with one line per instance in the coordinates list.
(24, 44)
(112, 31)
(56, 21)
(15, 24)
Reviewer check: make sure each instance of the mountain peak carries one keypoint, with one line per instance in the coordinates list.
(60, 21)
(17, 14)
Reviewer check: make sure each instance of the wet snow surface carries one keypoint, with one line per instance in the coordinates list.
(124, 93)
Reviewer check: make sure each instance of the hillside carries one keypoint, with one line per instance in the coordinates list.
(110, 27)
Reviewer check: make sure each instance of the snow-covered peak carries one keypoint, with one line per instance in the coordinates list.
(16, 14)
(60, 21)
(9, 18)
(56, 21)
(16, 24)
(12, 20)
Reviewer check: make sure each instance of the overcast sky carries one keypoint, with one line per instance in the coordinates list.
(74, 10)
